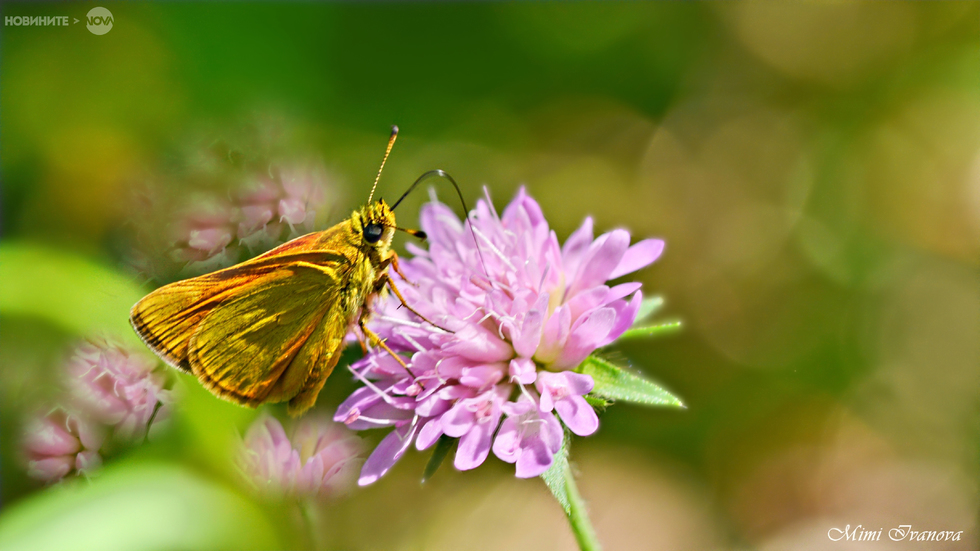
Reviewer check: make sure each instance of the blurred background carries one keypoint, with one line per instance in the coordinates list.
(814, 169)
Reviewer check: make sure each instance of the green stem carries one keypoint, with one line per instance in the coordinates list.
(578, 516)
(308, 512)
(149, 423)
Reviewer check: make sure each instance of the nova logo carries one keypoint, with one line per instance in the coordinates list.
(99, 20)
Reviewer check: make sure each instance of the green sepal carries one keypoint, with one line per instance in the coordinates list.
(648, 307)
(614, 383)
(650, 330)
(597, 403)
(443, 446)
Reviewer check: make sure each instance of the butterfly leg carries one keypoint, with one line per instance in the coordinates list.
(385, 280)
(394, 265)
(360, 339)
(377, 340)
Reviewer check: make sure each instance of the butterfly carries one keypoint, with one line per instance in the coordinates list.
(272, 328)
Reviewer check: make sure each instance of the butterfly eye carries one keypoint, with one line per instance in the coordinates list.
(372, 232)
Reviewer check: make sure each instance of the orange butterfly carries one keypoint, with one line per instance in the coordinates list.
(271, 329)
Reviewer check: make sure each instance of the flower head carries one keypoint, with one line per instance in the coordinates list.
(119, 387)
(265, 209)
(202, 235)
(226, 195)
(60, 443)
(320, 458)
(522, 311)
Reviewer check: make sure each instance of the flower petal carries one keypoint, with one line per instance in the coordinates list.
(639, 255)
(578, 383)
(522, 370)
(428, 435)
(623, 290)
(506, 445)
(534, 459)
(554, 335)
(458, 420)
(432, 405)
(48, 436)
(478, 343)
(51, 468)
(90, 433)
(576, 245)
(482, 376)
(586, 338)
(529, 336)
(603, 256)
(474, 446)
(88, 461)
(551, 432)
(388, 452)
(587, 300)
(625, 316)
(578, 415)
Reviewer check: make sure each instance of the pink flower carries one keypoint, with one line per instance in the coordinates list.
(523, 311)
(119, 387)
(257, 201)
(61, 443)
(563, 392)
(320, 459)
(529, 437)
(305, 190)
(226, 196)
(202, 234)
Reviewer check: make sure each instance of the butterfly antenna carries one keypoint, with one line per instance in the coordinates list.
(466, 210)
(391, 142)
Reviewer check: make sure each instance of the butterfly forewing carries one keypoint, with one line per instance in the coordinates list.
(267, 330)
(166, 318)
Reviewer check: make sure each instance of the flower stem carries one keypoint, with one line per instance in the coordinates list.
(149, 423)
(578, 516)
(308, 512)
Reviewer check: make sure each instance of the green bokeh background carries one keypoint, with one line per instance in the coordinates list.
(814, 168)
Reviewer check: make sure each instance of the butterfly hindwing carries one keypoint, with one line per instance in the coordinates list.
(243, 347)
(166, 318)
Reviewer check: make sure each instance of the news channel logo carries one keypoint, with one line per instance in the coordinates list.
(98, 20)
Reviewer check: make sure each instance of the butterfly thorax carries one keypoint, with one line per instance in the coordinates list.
(364, 239)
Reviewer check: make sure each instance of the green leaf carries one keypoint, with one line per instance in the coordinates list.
(650, 330)
(613, 383)
(137, 507)
(555, 476)
(71, 291)
(443, 446)
(648, 307)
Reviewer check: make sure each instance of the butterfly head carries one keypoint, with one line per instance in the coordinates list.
(375, 223)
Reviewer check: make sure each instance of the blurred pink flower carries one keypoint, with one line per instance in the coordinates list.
(61, 443)
(305, 191)
(523, 310)
(258, 229)
(320, 459)
(119, 387)
(209, 234)
(224, 195)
